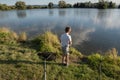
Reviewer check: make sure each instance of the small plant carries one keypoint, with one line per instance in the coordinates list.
(22, 37)
(94, 60)
(112, 55)
(7, 36)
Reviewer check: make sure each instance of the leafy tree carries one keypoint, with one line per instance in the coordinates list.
(68, 5)
(30, 7)
(119, 6)
(12, 7)
(62, 4)
(106, 4)
(102, 5)
(85, 5)
(20, 5)
(112, 5)
(4, 7)
(50, 5)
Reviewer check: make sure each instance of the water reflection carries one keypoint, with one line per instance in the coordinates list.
(3, 15)
(100, 40)
(101, 14)
(62, 12)
(21, 13)
(51, 12)
(82, 34)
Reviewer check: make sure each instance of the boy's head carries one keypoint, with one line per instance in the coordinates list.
(67, 29)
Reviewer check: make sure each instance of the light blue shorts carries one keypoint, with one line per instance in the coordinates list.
(65, 50)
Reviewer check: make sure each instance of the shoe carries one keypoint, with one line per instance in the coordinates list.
(63, 64)
(67, 64)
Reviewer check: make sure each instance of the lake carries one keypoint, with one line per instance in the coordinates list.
(92, 29)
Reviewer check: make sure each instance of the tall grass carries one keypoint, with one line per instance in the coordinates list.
(22, 37)
(7, 36)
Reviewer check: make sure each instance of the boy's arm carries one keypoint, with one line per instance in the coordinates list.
(70, 40)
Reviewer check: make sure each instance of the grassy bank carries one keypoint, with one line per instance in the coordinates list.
(19, 60)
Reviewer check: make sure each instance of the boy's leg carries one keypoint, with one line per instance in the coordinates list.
(67, 59)
(63, 59)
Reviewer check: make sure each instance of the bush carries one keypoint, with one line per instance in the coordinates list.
(75, 54)
(111, 70)
(111, 56)
(4, 7)
(22, 37)
(30, 7)
(7, 36)
(94, 60)
(47, 42)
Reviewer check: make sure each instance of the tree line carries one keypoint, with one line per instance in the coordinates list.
(99, 5)
(61, 4)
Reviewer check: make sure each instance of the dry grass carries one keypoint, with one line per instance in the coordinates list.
(22, 37)
(4, 30)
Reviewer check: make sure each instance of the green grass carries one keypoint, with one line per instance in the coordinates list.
(19, 60)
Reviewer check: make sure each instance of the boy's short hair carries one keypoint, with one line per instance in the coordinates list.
(67, 29)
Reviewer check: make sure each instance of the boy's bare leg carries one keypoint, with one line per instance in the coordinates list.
(67, 59)
(63, 59)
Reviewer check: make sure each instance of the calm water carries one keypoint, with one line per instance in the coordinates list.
(92, 29)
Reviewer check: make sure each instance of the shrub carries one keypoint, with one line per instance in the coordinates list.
(75, 54)
(111, 56)
(22, 37)
(111, 70)
(47, 42)
(94, 60)
(7, 36)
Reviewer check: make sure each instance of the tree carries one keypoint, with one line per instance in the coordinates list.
(20, 5)
(4, 7)
(68, 5)
(50, 5)
(103, 5)
(112, 5)
(62, 4)
(119, 6)
(30, 7)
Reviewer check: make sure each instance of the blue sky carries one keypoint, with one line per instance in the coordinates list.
(11, 2)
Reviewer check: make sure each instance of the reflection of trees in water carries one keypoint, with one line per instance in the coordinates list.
(21, 13)
(77, 12)
(108, 19)
(51, 12)
(62, 12)
(83, 12)
(102, 14)
(3, 15)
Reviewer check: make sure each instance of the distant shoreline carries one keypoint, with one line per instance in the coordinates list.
(58, 8)
(21, 5)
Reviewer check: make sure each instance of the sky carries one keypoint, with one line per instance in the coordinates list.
(43, 2)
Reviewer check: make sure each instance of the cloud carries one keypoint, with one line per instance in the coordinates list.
(82, 34)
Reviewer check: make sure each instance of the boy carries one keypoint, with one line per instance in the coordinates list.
(66, 41)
